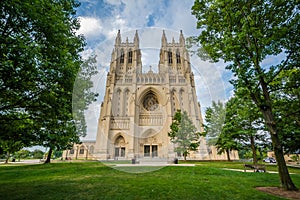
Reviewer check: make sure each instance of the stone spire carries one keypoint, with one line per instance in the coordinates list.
(181, 39)
(163, 39)
(136, 39)
(118, 39)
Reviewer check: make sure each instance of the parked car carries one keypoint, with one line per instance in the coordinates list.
(269, 160)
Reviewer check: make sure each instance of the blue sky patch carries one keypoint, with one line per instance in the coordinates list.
(151, 20)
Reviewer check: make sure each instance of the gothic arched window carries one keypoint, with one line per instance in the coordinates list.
(119, 102)
(173, 101)
(178, 56)
(91, 149)
(181, 94)
(170, 57)
(81, 151)
(126, 97)
(116, 103)
(122, 56)
(130, 56)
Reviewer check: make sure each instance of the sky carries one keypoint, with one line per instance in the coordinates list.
(100, 21)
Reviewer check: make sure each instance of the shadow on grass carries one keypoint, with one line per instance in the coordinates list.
(97, 181)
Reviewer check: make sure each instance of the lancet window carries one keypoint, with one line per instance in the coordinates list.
(130, 56)
(122, 56)
(170, 57)
(178, 56)
(126, 97)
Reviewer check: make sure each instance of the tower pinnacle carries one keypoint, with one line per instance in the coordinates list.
(163, 39)
(181, 39)
(118, 39)
(136, 39)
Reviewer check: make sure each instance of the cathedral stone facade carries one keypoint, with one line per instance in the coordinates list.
(138, 107)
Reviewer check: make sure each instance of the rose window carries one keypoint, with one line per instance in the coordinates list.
(150, 102)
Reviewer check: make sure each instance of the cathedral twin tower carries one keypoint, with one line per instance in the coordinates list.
(138, 107)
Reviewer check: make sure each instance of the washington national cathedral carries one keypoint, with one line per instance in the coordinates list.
(137, 109)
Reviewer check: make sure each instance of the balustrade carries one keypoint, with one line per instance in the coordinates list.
(150, 119)
(119, 123)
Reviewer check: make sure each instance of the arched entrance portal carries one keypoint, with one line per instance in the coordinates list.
(119, 147)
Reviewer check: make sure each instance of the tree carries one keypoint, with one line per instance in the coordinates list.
(82, 96)
(226, 143)
(15, 134)
(214, 118)
(218, 129)
(234, 126)
(244, 123)
(23, 153)
(40, 59)
(62, 134)
(245, 34)
(37, 154)
(184, 134)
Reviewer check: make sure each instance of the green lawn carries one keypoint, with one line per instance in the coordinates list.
(93, 180)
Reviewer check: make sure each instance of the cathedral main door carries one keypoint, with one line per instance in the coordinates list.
(150, 151)
(119, 147)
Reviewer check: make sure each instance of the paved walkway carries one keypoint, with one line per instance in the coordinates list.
(251, 170)
(154, 164)
(31, 161)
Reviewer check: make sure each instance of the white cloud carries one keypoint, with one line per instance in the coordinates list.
(178, 17)
(90, 27)
(118, 23)
(112, 25)
(87, 53)
(113, 2)
(209, 83)
(136, 12)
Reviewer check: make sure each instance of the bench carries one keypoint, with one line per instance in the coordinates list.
(256, 167)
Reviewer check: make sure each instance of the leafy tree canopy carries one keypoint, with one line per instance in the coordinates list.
(184, 134)
(245, 34)
(40, 58)
(214, 118)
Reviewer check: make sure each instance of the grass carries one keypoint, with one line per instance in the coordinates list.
(93, 180)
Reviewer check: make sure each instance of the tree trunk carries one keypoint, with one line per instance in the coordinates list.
(265, 107)
(7, 158)
(254, 156)
(48, 160)
(285, 179)
(228, 154)
(260, 152)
